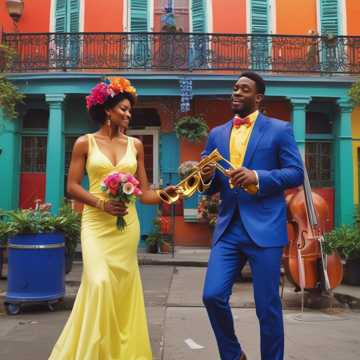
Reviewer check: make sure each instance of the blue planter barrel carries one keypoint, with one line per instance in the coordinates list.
(36, 268)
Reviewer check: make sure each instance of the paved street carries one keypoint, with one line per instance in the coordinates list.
(179, 326)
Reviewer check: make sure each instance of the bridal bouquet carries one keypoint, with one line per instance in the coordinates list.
(121, 187)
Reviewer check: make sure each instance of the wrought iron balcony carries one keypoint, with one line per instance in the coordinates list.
(184, 52)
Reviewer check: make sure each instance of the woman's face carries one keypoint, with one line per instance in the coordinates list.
(120, 114)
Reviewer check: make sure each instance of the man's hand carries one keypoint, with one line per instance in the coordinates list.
(116, 208)
(172, 190)
(242, 177)
(207, 172)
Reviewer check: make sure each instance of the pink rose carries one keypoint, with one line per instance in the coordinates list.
(128, 188)
(133, 180)
(137, 192)
(123, 178)
(112, 182)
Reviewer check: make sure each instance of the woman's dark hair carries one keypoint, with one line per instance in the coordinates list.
(259, 81)
(97, 112)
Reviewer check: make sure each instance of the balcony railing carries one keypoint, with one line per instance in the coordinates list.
(184, 52)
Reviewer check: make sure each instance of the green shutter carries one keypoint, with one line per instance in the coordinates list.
(60, 16)
(259, 17)
(74, 15)
(67, 15)
(259, 25)
(198, 14)
(139, 15)
(329, 14)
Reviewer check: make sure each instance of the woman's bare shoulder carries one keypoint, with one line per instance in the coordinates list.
(81, 144)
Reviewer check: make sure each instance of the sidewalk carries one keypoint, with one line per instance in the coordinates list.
(178, 323)
(347, 295)
(183, 256)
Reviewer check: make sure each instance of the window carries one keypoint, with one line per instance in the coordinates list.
(36, 119)
(318, 123)
(180, 11)
(33, 154)
(318, 163)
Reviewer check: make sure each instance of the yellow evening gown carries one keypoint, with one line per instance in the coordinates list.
(108, 320)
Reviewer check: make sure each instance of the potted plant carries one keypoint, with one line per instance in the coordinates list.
(191, 128)
(41, 221)
(151, 242)
(5, 232)
(157, 240)
(208, 207)
(346, 241)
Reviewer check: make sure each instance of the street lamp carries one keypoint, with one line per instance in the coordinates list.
(15, 9)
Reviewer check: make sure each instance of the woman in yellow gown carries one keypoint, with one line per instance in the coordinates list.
(108, 320)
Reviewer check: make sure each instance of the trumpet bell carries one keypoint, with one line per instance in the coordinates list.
(192, 183)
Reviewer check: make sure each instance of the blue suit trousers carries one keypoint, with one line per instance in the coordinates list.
(227, 257)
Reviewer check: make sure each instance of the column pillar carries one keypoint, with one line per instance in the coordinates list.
(10, 154)
(299, 105)
(344, 182)
(55, 162)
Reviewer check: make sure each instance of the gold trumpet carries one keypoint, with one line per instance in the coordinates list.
(193, 182)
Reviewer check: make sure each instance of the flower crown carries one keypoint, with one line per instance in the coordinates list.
(109, 87)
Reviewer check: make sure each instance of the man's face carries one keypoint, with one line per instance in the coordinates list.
(245, 98)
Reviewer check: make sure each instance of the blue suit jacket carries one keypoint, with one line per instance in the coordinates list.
(273, 153)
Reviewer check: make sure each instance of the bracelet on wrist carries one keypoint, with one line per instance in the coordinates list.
(100, 204)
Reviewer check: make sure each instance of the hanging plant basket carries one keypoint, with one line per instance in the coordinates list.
(191, 128)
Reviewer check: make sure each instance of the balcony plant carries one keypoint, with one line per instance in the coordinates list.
(9, 94)
(191, 128)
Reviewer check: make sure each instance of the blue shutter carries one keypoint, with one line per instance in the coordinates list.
(74, 15)
(67, 15)
(60, 16)
(198, 14)
(259, 17)
(259, 25)
(329, 14)
(74, 27)
(140, 49)
(198, 58)
(139, 15)
(332, 51)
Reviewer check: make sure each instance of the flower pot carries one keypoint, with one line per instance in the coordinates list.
(36, 270)
(165, 248)
(352, 272)
(152, 248)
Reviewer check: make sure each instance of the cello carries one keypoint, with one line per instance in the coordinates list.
(304, 259)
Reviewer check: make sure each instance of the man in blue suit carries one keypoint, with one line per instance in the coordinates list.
(250, 227)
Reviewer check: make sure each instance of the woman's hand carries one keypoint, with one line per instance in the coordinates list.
(116, 208)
